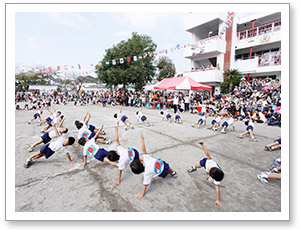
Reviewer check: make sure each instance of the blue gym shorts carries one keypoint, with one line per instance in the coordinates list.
(91, 128)
(165, 172)
(143, 118)
(225, 124)
(123, 118)
(101, 153)
(203, 162)
(278, 140)
(47, 151)
(249, 127)
(168, 116)
(46, 138)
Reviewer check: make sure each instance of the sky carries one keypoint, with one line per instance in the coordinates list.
(52, 38)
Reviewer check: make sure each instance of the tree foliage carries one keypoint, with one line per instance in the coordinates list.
(231, 78)
(22, 80)
(166, 68)
(134, 72)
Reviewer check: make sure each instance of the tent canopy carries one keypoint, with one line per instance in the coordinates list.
(181, 83)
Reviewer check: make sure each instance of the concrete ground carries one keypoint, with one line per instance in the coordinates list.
(54, 185)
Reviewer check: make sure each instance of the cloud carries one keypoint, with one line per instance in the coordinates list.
(74, 20)
(124, 33)
(32, 42)
(147, 20)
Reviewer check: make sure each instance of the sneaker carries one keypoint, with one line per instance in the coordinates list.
(215, 129)
(105, 138)
(29, 122)
(126, 128)
(240, 136)
(274, 170)
(147, 125)
(223, 131)
(132, 127)
(27, 164)
(174, 174)
(277, 161)
(108, 142)
(267, 148)
(29, 149)
(42, 131)
(253, 139)
(199, 126)
(192, 169)
(193, 125)
(263, 178)
(103, 132)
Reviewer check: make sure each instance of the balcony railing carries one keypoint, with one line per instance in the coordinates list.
(263, 29)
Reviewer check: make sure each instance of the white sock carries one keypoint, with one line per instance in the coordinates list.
(28, 159)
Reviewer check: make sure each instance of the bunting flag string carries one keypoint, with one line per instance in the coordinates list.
(134, 58)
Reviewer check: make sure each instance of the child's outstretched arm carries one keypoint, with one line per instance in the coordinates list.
(88, 120)
(218, 202)
(143, 144)
(85, 116)
(142, 194)
(117, 135)
(205, 150)
(61, 123)
(56, 131)
(98, 132)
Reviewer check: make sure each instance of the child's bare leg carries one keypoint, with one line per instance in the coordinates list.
(198, 166)
(36, 155)
(37, 143)
(251, 133)
(274, 176)
(110, 162)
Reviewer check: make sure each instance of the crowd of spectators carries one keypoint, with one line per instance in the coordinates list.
(262, 98)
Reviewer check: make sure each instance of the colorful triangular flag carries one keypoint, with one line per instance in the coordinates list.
(121, 60)
(79, 66)
(135, 58)
(99, 63)
(107, 63)
(128, 59)
(66, 67)
(50, 69)
(114, 62)
(36, 70)
(140, 57)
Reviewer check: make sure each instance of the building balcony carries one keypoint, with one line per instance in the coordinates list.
(205, 48)
(261, 35)
(193, 20)
(206, 77)
(265, 63)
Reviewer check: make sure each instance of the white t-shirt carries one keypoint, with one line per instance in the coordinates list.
(84, 132)
(152, 168)
(139, 115)
(203, 118)
(126, 156)
(58, 145)
(251, 123)
(119, 117)
(90, 148)
(175, 100)
(52, 134)
(164, 115)
(230, 121)
(218, 119)
(211, 163)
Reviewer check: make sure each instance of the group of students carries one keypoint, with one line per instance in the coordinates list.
(89, 135)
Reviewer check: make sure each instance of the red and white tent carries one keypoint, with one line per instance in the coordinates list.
(181, 83)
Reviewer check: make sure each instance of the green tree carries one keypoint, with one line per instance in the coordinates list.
(134, 72)
(231, 78)
(166, 68)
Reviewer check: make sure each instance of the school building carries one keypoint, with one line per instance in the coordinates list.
(250, 43)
